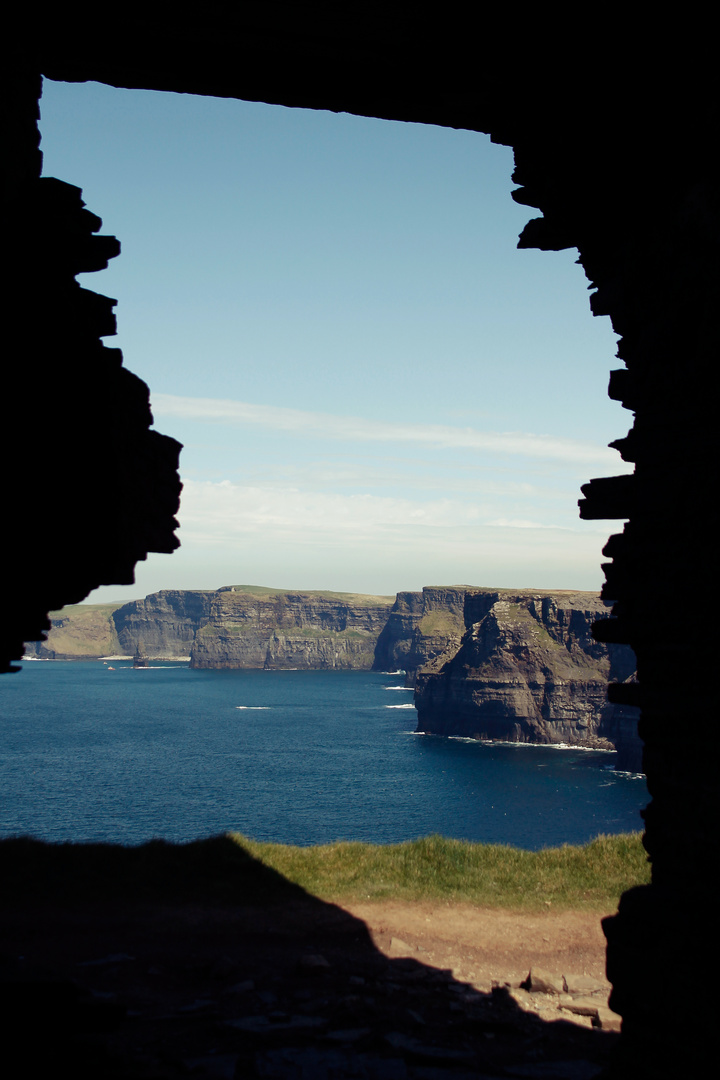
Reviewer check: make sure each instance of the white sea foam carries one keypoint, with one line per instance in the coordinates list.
(409, 705)
(530, 745)
(253, 707)
(408, 688)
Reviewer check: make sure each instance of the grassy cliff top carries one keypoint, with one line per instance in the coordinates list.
(359, 599)
(79, 610)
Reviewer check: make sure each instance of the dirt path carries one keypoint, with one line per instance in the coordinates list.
(484, 946)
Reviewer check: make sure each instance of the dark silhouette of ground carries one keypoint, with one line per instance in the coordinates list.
(196, 960)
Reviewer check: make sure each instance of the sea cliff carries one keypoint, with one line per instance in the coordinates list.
(274, 629)
(421, 627)
(527, 670)
(500, 664)
(165, 623)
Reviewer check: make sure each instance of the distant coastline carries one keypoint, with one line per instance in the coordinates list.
(489, 664)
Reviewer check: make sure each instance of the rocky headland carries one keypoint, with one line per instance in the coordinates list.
(527, 670)
(421, 627)
(495, 664)
(78, 632)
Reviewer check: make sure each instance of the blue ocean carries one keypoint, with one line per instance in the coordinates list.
(90, 751)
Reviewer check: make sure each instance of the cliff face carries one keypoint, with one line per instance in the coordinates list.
(245, 626)
(290, 630)
(165, 622)
(527, 670)
(420, 628)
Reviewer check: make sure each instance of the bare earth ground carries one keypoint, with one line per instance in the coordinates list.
(483, 946)
(297, 989)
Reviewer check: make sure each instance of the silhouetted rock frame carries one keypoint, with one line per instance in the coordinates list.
(614, 142)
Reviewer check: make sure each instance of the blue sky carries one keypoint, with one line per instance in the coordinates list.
(375, 389)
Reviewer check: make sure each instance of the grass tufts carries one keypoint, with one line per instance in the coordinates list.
(456, 871)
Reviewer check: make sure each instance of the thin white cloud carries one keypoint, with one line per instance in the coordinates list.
(520, 523)
(215, 512)
(360, 429)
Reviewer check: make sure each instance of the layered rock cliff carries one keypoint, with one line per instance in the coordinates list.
(421, 627)
(272, 629)
(527, 670)
(165, 622)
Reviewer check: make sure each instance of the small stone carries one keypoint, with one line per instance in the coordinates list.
(608, 1020)
(584, 985)
(398, 947)
(583, 1006)
(544, 982)
(588, 1022)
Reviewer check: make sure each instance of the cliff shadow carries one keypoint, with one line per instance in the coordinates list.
(169, 960)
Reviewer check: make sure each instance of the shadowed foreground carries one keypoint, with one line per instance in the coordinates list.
(197, 960)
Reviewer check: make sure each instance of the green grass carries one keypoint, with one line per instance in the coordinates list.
(75, 610)
(83, 631)
(232, 870)
(357, 599)
(441, 623)
(489, 875)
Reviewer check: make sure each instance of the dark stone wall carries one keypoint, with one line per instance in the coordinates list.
(89, 487)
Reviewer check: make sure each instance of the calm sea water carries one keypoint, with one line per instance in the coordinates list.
(301, 757)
